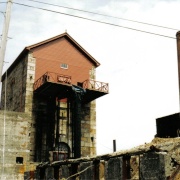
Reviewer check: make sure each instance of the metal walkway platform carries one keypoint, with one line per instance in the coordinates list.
(58, 85)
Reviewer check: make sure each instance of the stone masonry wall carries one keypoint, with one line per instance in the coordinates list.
(30, 78)
(14, 87)
(17, 88)
(88, 127)
(88, 130)
(15, 144)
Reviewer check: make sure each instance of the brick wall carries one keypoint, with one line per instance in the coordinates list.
(49, 57)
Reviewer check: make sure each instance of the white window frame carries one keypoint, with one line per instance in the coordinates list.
(64, 66)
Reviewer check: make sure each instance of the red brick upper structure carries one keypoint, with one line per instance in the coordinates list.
(63, 49)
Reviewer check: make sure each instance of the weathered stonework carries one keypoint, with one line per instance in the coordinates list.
(114, 168)
(89, 173)
(88, 132)
(14, 87)
(47, 121)
(25, 75)
(31, 65)
(15, 144)
(156, 160)
(151, 164)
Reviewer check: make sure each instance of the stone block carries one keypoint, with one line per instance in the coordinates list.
(85, 151)
(152, 166)
(87, 170)
(49, 173)
(64, 172)
(114, 168)
(101, 170)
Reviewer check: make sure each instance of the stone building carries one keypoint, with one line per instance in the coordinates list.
(54, 83)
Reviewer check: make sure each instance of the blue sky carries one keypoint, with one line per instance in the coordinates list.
(141, 68)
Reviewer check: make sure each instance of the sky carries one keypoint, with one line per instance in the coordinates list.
(141, 68)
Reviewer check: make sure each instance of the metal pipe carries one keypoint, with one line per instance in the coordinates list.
(114, 145)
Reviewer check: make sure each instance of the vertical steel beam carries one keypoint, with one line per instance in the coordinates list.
(77, 100)
(50, 125)
(57, 127)
(77, 128)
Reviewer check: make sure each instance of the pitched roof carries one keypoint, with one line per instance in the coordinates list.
(65, 35)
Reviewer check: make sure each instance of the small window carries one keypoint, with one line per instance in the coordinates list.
(64, 66)
(19, 160)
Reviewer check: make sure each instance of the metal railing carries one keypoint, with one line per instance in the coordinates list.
(60, 78)
(95, 85)
(52, 77)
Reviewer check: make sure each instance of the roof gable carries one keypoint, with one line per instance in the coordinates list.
(65, 35)
(71, 40)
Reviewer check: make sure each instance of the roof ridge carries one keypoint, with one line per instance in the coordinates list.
(46, 41)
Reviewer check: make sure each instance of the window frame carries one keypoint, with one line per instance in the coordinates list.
(64, 66)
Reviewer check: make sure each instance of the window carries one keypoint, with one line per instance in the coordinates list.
(19, 160)
(64, 66)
